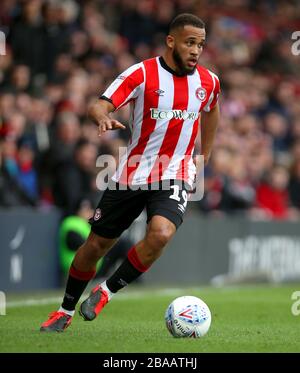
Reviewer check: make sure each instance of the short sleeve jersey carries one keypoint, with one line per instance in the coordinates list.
(165, 112)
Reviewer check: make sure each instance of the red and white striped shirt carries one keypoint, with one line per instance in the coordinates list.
(165, 111)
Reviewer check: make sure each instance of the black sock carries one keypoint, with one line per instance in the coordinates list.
(76, 284)
(128, 271)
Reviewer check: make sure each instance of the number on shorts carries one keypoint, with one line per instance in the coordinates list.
(176, 196)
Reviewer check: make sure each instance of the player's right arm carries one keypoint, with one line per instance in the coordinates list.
(122, 90)
(99, 111)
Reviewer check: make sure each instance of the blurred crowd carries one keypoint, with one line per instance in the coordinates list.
(60, 55)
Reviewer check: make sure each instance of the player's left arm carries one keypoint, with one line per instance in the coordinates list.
(209, 125)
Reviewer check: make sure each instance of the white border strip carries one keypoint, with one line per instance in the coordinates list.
(131, 295)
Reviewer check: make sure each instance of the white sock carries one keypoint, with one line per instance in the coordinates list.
(104, 287)
(70, 313)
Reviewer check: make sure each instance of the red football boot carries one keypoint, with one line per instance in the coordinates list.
(93, 305)
(58, 321)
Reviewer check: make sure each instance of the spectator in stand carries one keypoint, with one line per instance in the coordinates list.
(26, 175)
(272, 196)
(294, 184)
(63, 142)
(60, 54)
(26, 37)
(18, 181)
(238, 193)
(74, 177)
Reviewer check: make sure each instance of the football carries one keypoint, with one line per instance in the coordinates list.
(188, 316)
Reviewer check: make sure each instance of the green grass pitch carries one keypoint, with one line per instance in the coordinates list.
(244, 319)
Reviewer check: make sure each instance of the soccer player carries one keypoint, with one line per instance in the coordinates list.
(166, 94)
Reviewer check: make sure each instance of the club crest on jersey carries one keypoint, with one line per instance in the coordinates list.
(201, 93)
(97, 214)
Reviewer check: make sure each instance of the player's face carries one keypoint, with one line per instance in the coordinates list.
(187, 48)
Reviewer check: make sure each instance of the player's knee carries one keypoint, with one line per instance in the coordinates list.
(160, 236)
(96, 247)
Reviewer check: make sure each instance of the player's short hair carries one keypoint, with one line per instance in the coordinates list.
(186, 19)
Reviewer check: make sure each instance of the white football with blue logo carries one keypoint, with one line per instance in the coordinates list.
(188, 316)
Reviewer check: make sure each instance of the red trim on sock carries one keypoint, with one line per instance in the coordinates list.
(83, 276)
(135, 261)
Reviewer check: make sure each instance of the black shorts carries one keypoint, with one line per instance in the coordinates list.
(117, 208)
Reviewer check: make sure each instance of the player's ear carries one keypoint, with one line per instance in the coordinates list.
(170, 41)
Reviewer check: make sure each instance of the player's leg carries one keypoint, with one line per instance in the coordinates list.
(165, 209)
(115, 212)
(139, 259)
(82, 270)
(160, 230)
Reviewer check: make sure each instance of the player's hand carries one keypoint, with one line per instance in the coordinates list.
(109, 124)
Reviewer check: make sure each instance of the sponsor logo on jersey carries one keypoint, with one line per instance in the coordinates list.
(174, 114)
(201, 93)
